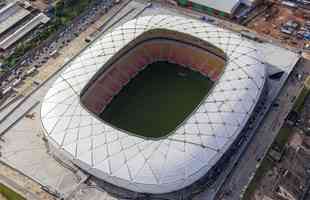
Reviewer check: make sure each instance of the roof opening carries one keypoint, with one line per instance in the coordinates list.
(154, 83)
(157, 100)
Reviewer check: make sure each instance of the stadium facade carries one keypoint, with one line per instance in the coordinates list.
(198, 146)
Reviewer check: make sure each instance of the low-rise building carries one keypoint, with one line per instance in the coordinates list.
(11, 14)
(22, 31)
(224, 8)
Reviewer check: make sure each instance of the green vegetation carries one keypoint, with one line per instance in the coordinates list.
(64, 12)
(67, 10)
(265, 166)
(299, 103)
(9, 193)
(279, 142)
(22, 48)
(282, 137)
(157, 100)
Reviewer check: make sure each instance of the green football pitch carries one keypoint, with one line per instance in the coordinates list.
(157, 100)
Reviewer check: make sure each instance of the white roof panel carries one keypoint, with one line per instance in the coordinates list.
(145, 165)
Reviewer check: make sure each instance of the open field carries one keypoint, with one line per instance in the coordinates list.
(157, 100)
(265, 166)
(300, 101)
(9, 194)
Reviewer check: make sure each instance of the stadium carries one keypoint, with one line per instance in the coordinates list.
(91, 114)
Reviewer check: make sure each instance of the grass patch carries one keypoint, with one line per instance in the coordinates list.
(67, 10)
(299, 103)
(9, 193)
(282, 137)
(265, 166)
(157, 100)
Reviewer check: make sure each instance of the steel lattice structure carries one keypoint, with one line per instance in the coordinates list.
(167, 164)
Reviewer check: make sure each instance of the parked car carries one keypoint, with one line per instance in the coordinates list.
(287, 30)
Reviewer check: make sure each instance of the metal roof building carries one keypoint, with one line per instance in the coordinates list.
(223, 8)
(23, 30)
(177, 160)
(226, 6)
(10, 15)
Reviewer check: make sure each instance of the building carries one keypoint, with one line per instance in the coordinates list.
(223, 8)
(17, 20)
(11, 14)
(196, 149)
(23, 30)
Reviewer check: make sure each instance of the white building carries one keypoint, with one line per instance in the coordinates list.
(224, 8)
(181, 158)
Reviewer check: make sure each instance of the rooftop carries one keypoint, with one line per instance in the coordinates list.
(171, 163)
(22, 31)
(227, 6)
(10, 15)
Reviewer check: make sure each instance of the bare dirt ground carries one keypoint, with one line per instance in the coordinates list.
(270, 22)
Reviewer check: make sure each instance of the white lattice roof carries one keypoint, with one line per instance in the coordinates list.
(171, 163)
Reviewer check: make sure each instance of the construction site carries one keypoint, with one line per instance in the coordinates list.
(287, 24)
